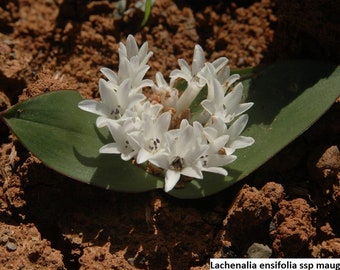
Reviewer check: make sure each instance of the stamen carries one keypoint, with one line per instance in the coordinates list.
(116, 112)
(154, 144)
(222, 151)
(204, 160)
(177, 164)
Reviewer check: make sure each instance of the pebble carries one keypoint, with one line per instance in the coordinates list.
(11, 246)
(257, 250)
(3, 239)
(131, 261)
(325, 163)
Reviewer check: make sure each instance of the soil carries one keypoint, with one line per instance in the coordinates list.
(290, 207)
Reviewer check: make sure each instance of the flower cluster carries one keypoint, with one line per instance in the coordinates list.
(153, 122)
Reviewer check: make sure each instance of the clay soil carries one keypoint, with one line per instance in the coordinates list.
(290, 207)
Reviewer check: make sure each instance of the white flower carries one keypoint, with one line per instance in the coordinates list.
(141, 121)
(220, 71)
(226, 107)
(130, 51)
(187, 73)
(128, 70)
(114, 102)
(168, 94)
(215, 156)
(131, 69)
(123, 144)
(235, 140)
(151, 137)
(195, 84)
(148, 108)
(132, 65)
(182, 156)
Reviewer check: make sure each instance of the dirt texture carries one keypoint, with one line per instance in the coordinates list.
(290, 207)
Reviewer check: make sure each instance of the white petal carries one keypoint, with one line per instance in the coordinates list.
(108, 95)
(220, 63)
(133, 99)
(93, 106)
(220, 142)
(198, 60)
(163, 122)
(131, 46)
(110, 74)
(232, 99)
(144, 55)
(218, 92)
(216, 160)
(123, 94)
(243, 107)
(152, 110)
(241, 142)
(193, 171)
(143, 156)
(128, 156)
(122, 50)
(123, 68)
(175, 74)
(171, 179)
(209, 106)
(143, 52)
(160, 161)
(138, 77)
(238, 126)
(184, 124)
(230, 80)
(102, 121)
(160, 80)
(111, 148)
(184, 66)
(184, 141)
(217, 170)
(145, 83)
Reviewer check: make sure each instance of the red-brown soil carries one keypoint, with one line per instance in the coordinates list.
(47, 221)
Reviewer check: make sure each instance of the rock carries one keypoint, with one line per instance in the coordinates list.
(293, 230)
(11, 246)
(330, 248)
(326, 164)
(257, 250)
(251, 210)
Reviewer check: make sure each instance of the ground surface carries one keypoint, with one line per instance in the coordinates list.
(47, 221)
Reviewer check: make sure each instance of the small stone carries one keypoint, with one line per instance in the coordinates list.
(257, 250)
(329, 163)
(131, 261)
(325, 163)
(11, 246)
(3, 239)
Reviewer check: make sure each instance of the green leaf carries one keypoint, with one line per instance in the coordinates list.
(66, 139)
(147, 12)
(289, 97)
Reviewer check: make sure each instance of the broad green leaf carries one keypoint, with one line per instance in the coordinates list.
(66, 139)
(289, 97)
